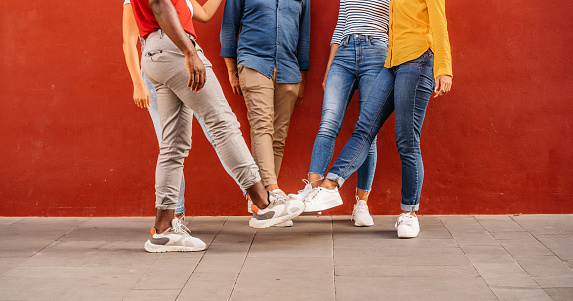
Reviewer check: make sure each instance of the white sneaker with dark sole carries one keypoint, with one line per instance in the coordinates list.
(175, 239)
(321, 199)
(407, 226)
(278, 211)
(360, 214)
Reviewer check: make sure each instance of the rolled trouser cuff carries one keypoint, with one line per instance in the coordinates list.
(409, 208)
(336, 178)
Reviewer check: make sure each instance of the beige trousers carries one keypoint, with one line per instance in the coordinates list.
(269, 108)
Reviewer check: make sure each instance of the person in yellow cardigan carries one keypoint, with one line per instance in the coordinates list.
(418, 63)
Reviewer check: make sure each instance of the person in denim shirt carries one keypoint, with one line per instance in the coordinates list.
(267, 65)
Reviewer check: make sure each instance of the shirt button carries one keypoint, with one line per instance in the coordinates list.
(278, 43)
(279, 26)
(277, 58)
(278, 10)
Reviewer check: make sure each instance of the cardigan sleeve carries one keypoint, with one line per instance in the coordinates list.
(440, 41)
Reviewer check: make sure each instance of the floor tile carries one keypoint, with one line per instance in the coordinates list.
(560, 293)
(505, 275)
(519, 294)
(544, 266)
(152, 295)
(412, 288)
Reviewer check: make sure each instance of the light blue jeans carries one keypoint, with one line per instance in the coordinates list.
(404, 90)
(357, 63)
(154, 113)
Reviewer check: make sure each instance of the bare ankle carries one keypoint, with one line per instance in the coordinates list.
(329, 184)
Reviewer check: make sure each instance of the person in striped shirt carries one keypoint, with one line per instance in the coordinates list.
(357, 53)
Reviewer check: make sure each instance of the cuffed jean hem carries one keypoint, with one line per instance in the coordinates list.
(336, 178)
(408, 208)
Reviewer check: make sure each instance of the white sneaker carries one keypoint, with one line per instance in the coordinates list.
(175, 239)
(321, 199)
(278, 211)
(407, 225)
(302, 195)
(288, 223)
(360, 214)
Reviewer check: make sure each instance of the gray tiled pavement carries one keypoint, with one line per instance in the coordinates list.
(524, 257)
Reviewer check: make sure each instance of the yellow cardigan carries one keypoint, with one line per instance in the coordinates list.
(416, 26)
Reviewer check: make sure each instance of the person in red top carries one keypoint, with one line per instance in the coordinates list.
(185, 83)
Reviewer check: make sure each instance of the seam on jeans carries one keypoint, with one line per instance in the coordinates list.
(413, 129)
(339, 127)
(369, 131)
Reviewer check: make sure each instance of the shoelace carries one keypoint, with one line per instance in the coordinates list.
(306, 185)
(180, 228)
(359, 209)
(405, 219)
(312, 194)
(278, 199)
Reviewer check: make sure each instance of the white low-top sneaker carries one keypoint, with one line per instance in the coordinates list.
(278, 211)
(175, 239)
(321, 199)
(407, 225)
(360, 214)
(302, 194)
(277, 191)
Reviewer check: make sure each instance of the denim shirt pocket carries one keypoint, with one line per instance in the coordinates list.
(295, 6)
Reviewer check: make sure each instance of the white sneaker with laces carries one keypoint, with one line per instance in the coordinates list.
(278, 191)
(175, 239)
(407, 225)
(278, 211)
(360, 214)
(321, 199)
(302, 194)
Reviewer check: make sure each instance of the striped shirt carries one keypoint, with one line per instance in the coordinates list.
(364, 17)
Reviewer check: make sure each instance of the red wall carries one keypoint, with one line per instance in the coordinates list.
(72, 143)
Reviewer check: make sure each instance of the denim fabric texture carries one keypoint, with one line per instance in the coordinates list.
(273, 34)
(405, 90)
(357, 63)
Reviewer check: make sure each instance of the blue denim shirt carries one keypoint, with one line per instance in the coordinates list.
(273, 33)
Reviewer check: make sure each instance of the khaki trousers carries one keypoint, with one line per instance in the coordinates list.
(269, 108)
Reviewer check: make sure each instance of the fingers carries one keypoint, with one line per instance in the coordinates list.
(443, 85)
(237, 89)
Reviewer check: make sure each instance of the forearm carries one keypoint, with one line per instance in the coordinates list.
(132, 62)
(331, 55)
(231, 64)
(168, 20)
(130, 35)
(205, 12)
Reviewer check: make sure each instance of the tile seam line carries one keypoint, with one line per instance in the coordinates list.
(333, 261)
(200, 259)
(242, 265)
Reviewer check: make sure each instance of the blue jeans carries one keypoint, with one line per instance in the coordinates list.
(357, 63)
(404, 90)
(153, 112)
